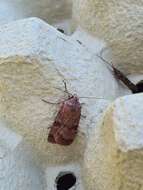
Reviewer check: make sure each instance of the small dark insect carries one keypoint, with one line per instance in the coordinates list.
(65, 126)
(79, 41)
(61, 30)
(120, 76)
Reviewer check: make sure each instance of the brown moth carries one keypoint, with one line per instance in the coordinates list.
(65, 126)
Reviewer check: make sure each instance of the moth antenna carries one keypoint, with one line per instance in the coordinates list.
(66, 90)
(92, 97)
(105, 61)
(101, 57)
(65, 84)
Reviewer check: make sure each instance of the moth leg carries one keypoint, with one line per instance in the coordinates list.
(51, 139)
(81, 133)
(83, 116)
(50, 102)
